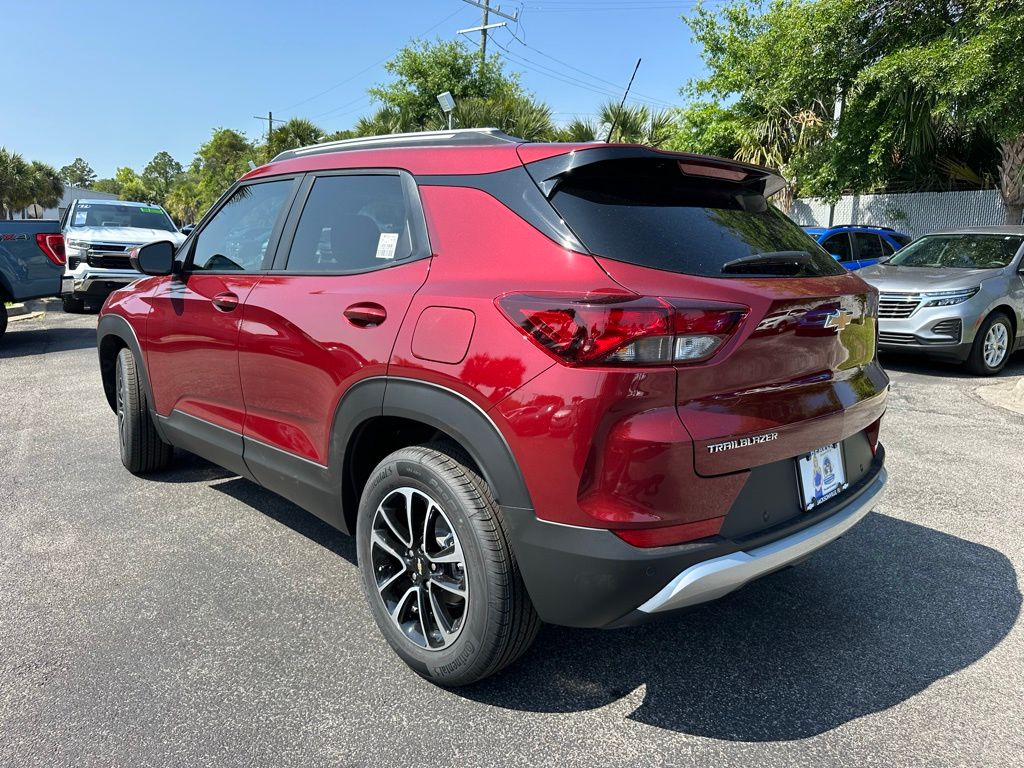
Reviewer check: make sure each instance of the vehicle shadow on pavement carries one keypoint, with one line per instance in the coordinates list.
(860, 627)
(928, 367)
(41, 341)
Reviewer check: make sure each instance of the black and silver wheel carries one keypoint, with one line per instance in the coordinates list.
(441, 580)
(992, 345)
(142, 450)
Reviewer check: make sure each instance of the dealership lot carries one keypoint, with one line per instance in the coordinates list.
(194, 618)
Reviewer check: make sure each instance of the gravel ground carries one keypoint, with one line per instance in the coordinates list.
(194, 619)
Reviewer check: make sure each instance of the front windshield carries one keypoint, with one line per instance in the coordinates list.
(114, 215)
(966, 251)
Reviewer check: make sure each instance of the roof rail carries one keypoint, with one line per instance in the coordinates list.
(454, 137)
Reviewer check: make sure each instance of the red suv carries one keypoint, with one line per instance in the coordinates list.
(584, 384)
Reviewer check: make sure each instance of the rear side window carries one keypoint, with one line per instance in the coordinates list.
(839, 245)
(352, 224)
(237, 237)
(869, 245)
(901, 239)
(887, 248)
(647, 212)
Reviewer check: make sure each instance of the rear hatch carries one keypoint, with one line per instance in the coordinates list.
(800, 371)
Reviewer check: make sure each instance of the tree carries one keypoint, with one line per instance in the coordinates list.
(635, 124)
(159, 175)
(107, 185)
(423, 70)
(14, 174)
(78, 174)
(516, 115)
(183, 201)
(219, 163)
(297, 132)
(852, 95)
(45, 187)
(130, 185)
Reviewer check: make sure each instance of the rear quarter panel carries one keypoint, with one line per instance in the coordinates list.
(25, 271)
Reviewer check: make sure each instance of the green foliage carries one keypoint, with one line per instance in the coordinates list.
(297, 132)
(929, 99)
(422, 70)
(636, 124)
(109, 186)
(219, 163)
(160, 175)
(577, 130)
(78, 174)
(23, 183)
(516, 115)
(130, 185)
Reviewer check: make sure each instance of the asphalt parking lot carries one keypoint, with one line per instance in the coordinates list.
(193, 618)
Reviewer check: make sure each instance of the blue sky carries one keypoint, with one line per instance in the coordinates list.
(117, 82)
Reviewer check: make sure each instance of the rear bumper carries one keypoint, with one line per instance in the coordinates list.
(719, 576)
(585, 577)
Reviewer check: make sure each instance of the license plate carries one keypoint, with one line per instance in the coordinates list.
(822, 475)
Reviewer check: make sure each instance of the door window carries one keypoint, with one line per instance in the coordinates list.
(352, 223)
(237, 237)
(887, 249)
(839, 244)
(869, 246)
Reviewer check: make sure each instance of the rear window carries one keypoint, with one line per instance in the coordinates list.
(647, 212)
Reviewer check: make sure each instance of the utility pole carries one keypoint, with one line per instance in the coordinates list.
(270, 123)
(485, 6)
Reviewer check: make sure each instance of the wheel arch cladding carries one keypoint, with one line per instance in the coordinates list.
(412, 412)
(113, 333)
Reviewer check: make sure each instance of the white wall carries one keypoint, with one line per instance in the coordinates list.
(915, 213)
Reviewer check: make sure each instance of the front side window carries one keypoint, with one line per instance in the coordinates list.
(869, 246)
(352, 223)
(237, 237)
(967, 251)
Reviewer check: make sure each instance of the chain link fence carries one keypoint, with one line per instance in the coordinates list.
(915, 213)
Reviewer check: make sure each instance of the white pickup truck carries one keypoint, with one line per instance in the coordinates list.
(98, 234)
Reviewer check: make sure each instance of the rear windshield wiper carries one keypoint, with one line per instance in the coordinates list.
(767, 259)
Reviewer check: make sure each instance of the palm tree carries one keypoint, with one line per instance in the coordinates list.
(385, 120)
(297, 132)
(516, 115)
(13, 182)
(578, 130)
(45, 187)
(636, 124)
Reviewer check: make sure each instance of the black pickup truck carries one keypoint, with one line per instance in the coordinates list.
(31, 261)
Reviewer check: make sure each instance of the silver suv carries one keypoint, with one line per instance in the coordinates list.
(956, 295)
(98, 234)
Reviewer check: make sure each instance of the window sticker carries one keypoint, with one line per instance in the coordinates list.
(386, 245)
(150, 210)
(79, 217)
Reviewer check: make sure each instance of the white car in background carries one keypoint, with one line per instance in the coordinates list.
(98, 235)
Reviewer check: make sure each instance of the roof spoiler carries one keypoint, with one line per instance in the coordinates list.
(549, 172)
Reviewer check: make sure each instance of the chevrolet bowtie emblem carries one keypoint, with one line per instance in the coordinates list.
(838, 319)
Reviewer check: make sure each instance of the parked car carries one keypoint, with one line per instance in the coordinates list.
(98, 235)
(956, 296)
(538, 382)
(31, 262)
(855, 246)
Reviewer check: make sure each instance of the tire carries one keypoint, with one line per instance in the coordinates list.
(455, 520)
(995, 336)
(142, 450)
(72, 305)
(3, 318)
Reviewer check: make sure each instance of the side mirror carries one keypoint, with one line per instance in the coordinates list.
(153, 258)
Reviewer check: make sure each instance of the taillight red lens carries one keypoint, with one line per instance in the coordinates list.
(611, 329)
(53, 246)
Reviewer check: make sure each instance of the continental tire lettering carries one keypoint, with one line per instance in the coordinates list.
(459, 662)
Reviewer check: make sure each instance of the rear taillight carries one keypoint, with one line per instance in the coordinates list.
(610, 329)
(53, 247)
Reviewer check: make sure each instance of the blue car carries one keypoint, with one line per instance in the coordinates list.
(855, 247)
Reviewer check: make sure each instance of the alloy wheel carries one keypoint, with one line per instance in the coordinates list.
(122, 421)
(996, 344)
(420, 568)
